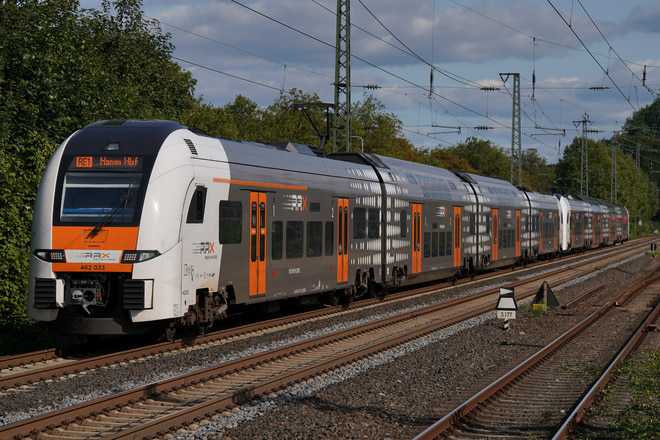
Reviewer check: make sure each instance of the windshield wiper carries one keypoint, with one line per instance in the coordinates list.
(123, 204)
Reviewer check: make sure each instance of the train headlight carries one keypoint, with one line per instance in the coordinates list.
(50, 255)
(130, 257)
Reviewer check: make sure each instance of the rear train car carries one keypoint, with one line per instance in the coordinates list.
(587, 222)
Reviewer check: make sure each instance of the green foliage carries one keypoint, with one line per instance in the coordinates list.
(60, 69)
(641, 418)
(484, 157)
(20, 336)
(635, 189)
(212, 120)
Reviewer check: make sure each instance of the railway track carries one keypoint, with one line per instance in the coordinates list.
(28, 368)
(545, 397)
(204, 394)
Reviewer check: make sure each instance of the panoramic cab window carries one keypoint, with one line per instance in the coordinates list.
(93, 197)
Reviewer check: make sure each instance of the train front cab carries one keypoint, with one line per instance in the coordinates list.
(93, 268)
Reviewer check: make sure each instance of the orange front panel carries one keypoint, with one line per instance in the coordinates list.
(342, 240)
(257, 243)
(457, 236)
(86, 252)
(417, 238)
(496, 230)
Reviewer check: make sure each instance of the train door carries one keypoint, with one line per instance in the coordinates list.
(417, 238)
(555, 231)
(496, 230)
(517, 233)
(457, 236)
(258, 211)
(342, 240)
(541, 231)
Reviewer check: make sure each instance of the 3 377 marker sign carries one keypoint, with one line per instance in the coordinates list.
(506, 304)
(506, 314)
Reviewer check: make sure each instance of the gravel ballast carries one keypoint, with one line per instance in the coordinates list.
(394, 395)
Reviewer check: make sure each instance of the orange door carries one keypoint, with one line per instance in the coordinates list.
(496, 230)
(257, 244)
(342, 240)
(517, 233)
(457, 236)
(541, 231)
(417, 238)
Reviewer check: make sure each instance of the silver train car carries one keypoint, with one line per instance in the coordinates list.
(147, 225)
(588, 222)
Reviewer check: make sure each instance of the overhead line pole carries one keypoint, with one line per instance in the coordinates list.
(341, 139)
(515, 123)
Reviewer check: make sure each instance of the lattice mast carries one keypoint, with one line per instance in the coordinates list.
(516, 129)
(341, 133)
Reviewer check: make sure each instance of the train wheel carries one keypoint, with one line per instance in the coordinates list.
(170, 333)
(203, 328)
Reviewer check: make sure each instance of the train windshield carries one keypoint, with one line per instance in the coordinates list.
(100, 197)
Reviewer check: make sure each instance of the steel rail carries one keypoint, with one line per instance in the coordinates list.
(441, 427)
(633, 343)
(71, 367)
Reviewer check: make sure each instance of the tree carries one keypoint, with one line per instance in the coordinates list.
(381, 132)
(247, 117)
(486, 158)
(60, 69)
(537, 174)
(211, 120)
(444, 159)
(283, 121)
(635, 188)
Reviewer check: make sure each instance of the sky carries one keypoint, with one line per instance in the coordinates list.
(578, 60)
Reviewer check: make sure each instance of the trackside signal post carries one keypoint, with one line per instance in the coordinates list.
(506, 306)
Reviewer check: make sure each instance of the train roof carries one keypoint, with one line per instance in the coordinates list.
(418, 180)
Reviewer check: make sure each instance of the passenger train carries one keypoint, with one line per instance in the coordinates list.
(146, 225)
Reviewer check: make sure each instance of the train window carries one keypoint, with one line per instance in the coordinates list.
(196, 208)
(441, 244)
(329, 238)
(230, 222)
(427, 244)
(314, 207)
(434, 244)
(373, 228)
(294, 239)
(448, 241)
(314, 239)
(403, 220)
(277, 236)
(473, 224)
(93, 197)
(359, 223)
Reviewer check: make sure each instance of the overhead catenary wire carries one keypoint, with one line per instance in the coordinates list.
(405, 49)
(592, 55)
